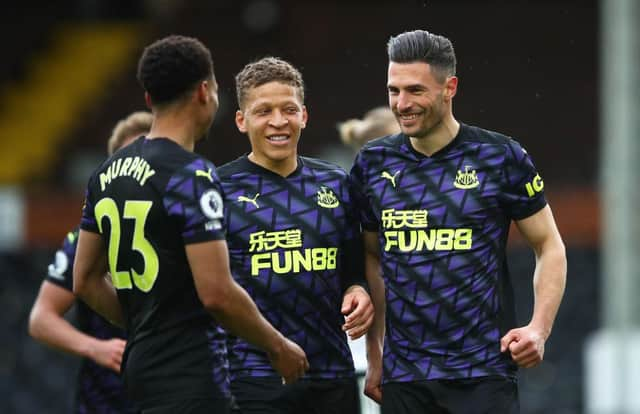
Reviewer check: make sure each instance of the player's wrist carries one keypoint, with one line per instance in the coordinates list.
(544, 330)
(276, 345)
(89, 348)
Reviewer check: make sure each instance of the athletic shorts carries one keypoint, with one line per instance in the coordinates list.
(267, 395)
(192, 406)
(485, 395)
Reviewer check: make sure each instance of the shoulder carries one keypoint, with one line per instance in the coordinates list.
(321, 165)
(324, 168)
(474, 134)
(232, 168)
(388, 141)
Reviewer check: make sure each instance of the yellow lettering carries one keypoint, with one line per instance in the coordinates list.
(300, 259)
(390, 240)
(140, 170)
(435, 239)
(258, 262)
(116, 167)
(134, 165)
(125, 166)
(463, 240)
(426, 241)
(538, 184)
(444, 239)
(535, 186)
(148, 173)
(402, 241)
(105, 178)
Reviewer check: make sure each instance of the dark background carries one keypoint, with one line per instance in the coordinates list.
(528, 69)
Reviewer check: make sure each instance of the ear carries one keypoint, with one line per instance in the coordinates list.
(147, 100)
(450, 87)
(240, 120)
(203, 92)
(305, 117)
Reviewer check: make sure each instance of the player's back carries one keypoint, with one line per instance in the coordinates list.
(149, 200)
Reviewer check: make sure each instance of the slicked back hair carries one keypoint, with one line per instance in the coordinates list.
(265, 70)
(173, 66)
(422, 46)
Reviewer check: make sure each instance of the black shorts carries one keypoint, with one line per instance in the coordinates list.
(486, 395)
(267, 395)
(192, 406)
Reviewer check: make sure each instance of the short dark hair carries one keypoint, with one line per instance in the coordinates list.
(422, 46)
(172, 66)
(265, 70)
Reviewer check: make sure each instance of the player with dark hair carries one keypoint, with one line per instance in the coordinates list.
(437, 202)
(154, 216)
(295, 245)
(100, 344)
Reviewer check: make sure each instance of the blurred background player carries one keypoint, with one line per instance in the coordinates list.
(375, 123)
(437, 203)
(154, 216)
(99, 387)
(295, 245)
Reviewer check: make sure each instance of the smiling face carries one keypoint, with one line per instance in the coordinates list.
(273, 116)
(418, 100)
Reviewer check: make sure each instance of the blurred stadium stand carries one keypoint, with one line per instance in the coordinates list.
(528, 69)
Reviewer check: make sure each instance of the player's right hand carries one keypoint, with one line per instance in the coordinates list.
(289, 360)
(108, 353)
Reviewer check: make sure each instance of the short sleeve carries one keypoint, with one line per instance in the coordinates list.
(194, 196)
(522, 193)
(88, 221)
(60, 270)
(358, 178)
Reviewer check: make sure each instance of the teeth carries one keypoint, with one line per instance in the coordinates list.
(409, 116)
(278, 138)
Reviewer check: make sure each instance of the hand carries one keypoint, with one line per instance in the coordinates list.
(373, 381)
(358, 310)
(289, 360)
(526, 345)
(108, 353)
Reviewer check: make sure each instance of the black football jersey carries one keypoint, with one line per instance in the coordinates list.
(148, 201)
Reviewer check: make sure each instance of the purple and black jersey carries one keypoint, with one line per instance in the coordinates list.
(148, 201)
(295, 245)
(99, 389)
(443, 223)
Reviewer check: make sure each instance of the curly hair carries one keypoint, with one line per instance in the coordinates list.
(377, 122)
(265, 70)
(422, 46)
(138, 123)
(172, 66)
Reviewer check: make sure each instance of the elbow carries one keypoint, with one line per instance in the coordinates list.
(79, 286)
(216, 301)
(34, 329)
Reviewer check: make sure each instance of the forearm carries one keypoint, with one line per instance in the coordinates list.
(239, 315)
(548, 284)
(101, 296)
(55, 331)
(375, 335)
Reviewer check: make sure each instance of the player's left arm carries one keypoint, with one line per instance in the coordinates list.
(526, 344)
(89, 282)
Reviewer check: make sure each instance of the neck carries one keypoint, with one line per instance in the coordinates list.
(280, 167)
(177, 125)
(439, 137)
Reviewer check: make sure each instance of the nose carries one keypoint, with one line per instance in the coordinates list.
(278, 120)
(403, 102)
